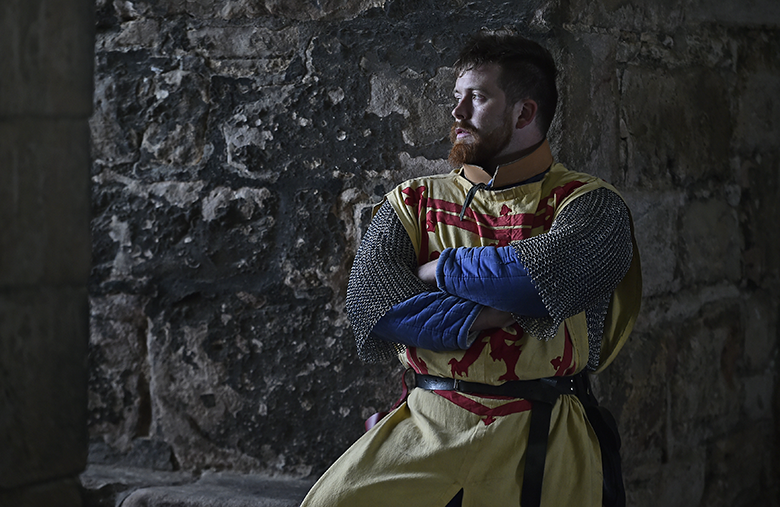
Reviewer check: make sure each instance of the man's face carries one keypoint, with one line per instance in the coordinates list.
(484, 122)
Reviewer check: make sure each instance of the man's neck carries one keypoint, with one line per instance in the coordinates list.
(526, 164)
(509, 158)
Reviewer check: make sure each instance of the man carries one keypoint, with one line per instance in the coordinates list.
(499, 284)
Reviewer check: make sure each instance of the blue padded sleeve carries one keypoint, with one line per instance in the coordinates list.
(433, 320)
(491, 276)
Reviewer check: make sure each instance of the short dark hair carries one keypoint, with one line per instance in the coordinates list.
(527, 69)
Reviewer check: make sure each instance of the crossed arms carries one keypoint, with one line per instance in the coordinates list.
(441, 305)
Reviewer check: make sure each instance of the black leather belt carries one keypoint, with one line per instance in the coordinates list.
(545, 390)
(543, 393)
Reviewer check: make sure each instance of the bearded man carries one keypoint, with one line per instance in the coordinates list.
(502, 285)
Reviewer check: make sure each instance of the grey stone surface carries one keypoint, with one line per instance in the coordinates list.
(666, 146)
(47, 66)
(588, 68)
(754, 13)
(672, 15)
(109, 485)
(43, 374)
(228, 490)
(105, 486)
(60, 492)
(45, 101)
(44, 197)
(656, 215)
(711, 242)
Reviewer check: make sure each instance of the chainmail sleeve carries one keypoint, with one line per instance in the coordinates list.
(578, 263)
(383, 274)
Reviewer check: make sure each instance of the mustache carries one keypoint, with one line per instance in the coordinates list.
(462, 125)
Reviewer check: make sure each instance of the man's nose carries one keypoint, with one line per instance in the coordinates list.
(461, 110)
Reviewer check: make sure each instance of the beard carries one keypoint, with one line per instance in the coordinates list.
(482, 147)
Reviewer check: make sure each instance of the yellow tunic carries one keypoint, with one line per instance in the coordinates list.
(438, 443)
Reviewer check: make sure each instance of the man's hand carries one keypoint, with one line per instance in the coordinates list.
(427, 272)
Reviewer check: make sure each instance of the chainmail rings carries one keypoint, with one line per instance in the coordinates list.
(383, 275)
(578, 263)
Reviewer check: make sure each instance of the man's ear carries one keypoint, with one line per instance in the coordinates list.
(525, 112)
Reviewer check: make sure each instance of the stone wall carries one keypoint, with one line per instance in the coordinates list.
(238, 147)
(45, 101)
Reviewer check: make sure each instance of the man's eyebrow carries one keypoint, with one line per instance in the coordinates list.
(479, 89)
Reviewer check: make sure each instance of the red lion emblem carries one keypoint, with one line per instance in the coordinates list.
(505, 346)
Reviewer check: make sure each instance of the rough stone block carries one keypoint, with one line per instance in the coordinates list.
(108, 485)
(683, 478)
(762, 230)
(707, 346)
(676, 481)
(62, 493)
(426, 104)
(655, 217)
(758, 112)
(760, 332)
(759, 395)
(738, 467)
(136, 33)
(631, 15)
(185, 230)
(304, 10)
(119, 403)
(43, 374)
(159, 119)
(753, 13)
(145, 452)
(220, 381)
(639, 16)
(246, 42)
(632, 388)
(662, 153)
(48, 57)
(44, 202)
(711, 242)
(223, 489)
(589, 136)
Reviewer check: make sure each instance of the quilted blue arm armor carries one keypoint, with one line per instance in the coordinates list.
(433, 320)
(491, 276)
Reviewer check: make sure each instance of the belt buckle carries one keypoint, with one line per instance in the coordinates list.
(456, 385)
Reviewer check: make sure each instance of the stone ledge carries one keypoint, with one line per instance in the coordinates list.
(108, 486)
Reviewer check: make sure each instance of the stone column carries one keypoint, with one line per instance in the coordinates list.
(45, 102)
